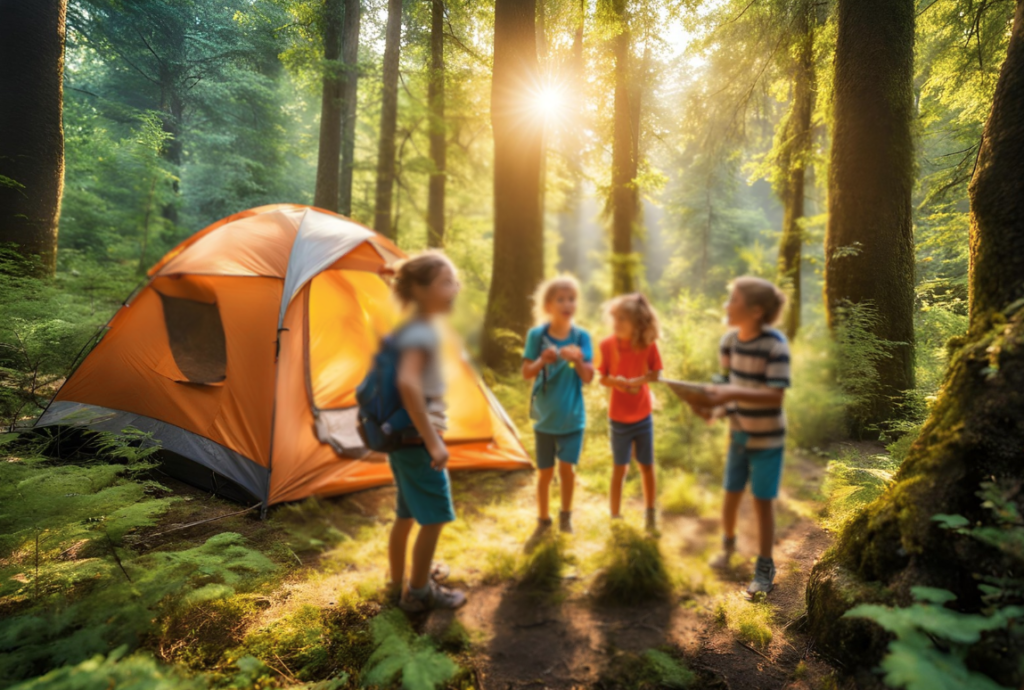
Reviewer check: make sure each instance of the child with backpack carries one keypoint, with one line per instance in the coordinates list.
(427, 284)
(756, 358)
(629, 361)
(558, 358)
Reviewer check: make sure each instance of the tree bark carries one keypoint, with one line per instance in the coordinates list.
(869, 244)
(350, 97)
(794, 162)
(974, 433)
(31, 135)
(331, 108)
(518, 263)
(388, 122)
(438, 131)
(624, 155)
(569, 219)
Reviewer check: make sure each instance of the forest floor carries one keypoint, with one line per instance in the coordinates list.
(531, 620)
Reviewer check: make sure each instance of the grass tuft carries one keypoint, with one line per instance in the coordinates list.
(542, 569)
(633, 568)
(750, 621)
(653, 669)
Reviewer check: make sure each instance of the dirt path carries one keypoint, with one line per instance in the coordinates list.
(547, 642)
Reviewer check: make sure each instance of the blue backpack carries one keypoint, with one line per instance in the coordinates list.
(384, 424)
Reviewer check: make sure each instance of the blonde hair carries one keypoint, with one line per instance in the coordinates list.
(419, 270)
(758, 292)
(640, 312)
(546, 291)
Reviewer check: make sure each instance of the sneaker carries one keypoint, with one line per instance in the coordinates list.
(651, 520)
(565, 521)
(723, 560)
(542, 528)
(764, 577)
(437, 597)
(439, 571)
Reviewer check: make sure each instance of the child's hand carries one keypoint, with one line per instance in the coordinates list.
(719, 395)
(549, 355)
(438, 457)
(571, 353)
(705, 413)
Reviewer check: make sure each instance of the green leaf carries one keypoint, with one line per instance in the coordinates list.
(932, 595)
(922, 667)
(951, 521)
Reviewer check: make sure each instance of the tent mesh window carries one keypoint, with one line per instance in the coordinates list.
(197, 339)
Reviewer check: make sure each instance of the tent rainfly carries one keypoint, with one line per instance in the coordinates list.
(242, 352)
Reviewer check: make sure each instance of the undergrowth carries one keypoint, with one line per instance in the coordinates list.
(632, 568)
(750, 621)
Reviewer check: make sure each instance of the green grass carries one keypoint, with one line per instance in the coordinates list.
(853, 479)
(650, 670)
(749, 621)
(632, 568)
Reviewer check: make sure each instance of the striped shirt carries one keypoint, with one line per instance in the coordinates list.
(759, 363)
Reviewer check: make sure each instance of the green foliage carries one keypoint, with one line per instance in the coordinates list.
(136, 672)
(542, 569)
(632, 568)
(650, 670)
(853, 480)
(402, 654)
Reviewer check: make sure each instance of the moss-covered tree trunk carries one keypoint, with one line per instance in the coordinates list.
(974, 433)
(388, 122)
(350, 96)
(869, 244)
(625, 131)
(438, 132)
(794, 159)
(328, 163)
(31, 134)
(518, 263)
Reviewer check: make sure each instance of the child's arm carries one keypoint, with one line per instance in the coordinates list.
(584, 369)
(532, 367)
(617, 382)
(410, 388)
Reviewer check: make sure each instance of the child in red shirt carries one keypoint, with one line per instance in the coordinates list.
(629, 360)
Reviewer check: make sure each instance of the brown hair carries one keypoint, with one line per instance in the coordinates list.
(419, 270)
(640, 312)
(546, 292)
(758, 292)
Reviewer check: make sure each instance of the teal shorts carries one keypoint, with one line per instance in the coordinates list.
(423, 493)
(565, 447)
(762, 467)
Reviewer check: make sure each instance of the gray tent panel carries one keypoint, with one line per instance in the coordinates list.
(224, 461)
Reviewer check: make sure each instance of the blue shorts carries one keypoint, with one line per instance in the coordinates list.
(627, 437)
(566, 447)
(423, 493)
(762, 467)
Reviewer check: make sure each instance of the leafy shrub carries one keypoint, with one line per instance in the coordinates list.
(852, 480)
(402, 654)
(632, 568)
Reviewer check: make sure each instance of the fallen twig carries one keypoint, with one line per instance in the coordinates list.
(755, 651)
(199, 522)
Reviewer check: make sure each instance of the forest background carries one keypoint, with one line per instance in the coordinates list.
(657, 145)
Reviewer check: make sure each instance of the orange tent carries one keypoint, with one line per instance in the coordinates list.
(242, 354)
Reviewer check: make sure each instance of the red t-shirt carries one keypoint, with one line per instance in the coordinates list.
(629, 363)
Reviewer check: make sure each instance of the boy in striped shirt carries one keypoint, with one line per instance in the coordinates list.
(756, 358)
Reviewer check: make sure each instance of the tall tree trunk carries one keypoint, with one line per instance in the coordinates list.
(438, 131)
(31, 134)
(388, 122)
(797, 149)
(974, 433)
(569, 219)
(624, 142)
(869, 244)
(518, 264)
(329, 159)
(350, 97)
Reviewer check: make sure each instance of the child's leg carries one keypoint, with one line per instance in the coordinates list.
(397, 546)
(618, 479)
(730, 508)
(649, 484)
(765, 525)
(423, 554)
(567, 483)
(544, 478)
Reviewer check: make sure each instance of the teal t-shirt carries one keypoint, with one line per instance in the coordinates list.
(558, 390)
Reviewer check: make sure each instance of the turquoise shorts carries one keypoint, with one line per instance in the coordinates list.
(423, 493)
(762, 467)
(566, 447)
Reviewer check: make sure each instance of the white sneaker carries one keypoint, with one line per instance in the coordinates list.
(437, 597)
(723, 561)
(764, 577)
